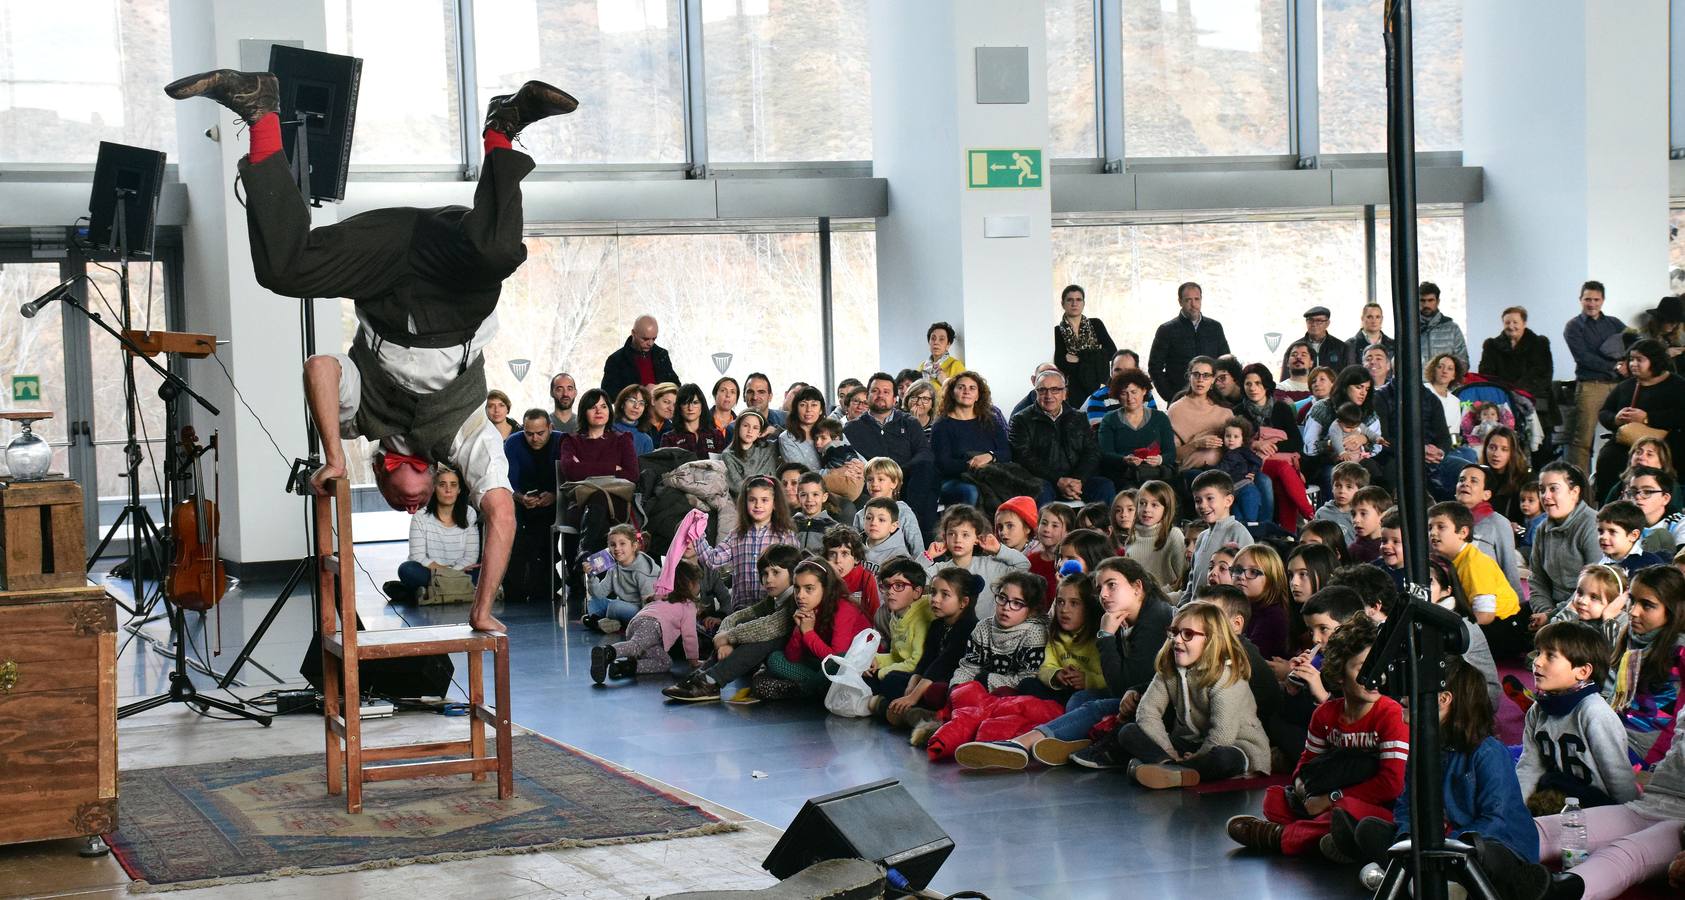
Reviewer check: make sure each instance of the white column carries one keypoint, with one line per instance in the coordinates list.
(934, 262)
(259, 522)
(1567, 112)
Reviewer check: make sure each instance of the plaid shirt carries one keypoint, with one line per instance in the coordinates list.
(742, 553)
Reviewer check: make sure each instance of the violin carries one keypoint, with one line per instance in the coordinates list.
(197, 579)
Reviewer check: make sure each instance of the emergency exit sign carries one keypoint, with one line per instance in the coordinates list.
(1018, 168)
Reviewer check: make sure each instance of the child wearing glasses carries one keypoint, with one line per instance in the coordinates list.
(1009, 646)
(1651, 490)
(904, 620)
(1201, 685)
(1354, 756)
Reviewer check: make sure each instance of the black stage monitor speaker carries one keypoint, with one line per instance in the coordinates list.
(320, 88)
(405, 676)
(879, 822)
(136, 175)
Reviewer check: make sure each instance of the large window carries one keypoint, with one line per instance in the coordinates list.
(77, 72)
(1071, 59)
(854, 303)
(1204, 77)
(1439, 259)
(622, 59)
(787, 80)
(408, 103)
(1351, 77)
(1258, 277)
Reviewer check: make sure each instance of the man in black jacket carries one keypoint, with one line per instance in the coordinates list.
(1326, 350)
(638, 361)
(1442, 468)
(1055, 444)
(887, 431)
(1180, 340)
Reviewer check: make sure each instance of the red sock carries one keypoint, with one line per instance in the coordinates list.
(496, 140)
(266, 137)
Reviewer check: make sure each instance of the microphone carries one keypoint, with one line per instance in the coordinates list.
(28, 310)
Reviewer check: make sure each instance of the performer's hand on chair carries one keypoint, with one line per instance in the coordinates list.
(320, 478)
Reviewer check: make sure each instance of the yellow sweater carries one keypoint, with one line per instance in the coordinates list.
(906, 638)
(1065, 650)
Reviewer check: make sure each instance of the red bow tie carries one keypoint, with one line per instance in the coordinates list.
(392, 461)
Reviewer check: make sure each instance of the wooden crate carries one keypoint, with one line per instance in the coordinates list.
(41, 538)
(58, 714)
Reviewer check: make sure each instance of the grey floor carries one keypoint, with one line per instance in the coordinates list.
(1046, 834)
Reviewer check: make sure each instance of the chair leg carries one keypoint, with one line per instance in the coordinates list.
(476, 702)
(330, 712)
(505, 744)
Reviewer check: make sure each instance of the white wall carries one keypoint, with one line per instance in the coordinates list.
(1567, 111)
(933, 261)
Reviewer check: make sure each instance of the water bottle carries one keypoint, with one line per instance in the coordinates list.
(1574, 848)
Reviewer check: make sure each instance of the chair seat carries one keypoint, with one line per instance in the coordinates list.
(423, 641)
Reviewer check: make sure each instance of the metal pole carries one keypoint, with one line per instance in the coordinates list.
(1424, 764)
(827, 323)
(1369, 260)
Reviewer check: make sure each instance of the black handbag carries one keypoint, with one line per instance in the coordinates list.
(1330, 772)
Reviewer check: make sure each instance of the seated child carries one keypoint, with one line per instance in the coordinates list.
(913, 701)
(1214, 502)
(1266, 690)
(1651, 490)
(1156, 542)
(883, 479)
(1369, 504)
(1201, 685)
(1389, 556)
(1072, 662)
(1599, 601)
(661, 623)
(1492, 532)
(1644, 683)
(1620, 534)
(880, 525)
(1008, 647)
(748, 636)
(844, 550)
(1344, 483)
(903, 620)
(1328, 533)
(1483, 805)
(1053, 522)
(1348, 422)
(617, 593)
(1487, 419)
(790, 478)
(1121, 524)
(1446, 591)
(1497, 607)
(1086, 547)
(968, 542)
(1015, 523)
(1242, 464)
(1573, 744)
(1093, 516)
(825, 624)
(834, 449)
(1354, 756)
(1303, 689)
(1532, 516)
(811, 518)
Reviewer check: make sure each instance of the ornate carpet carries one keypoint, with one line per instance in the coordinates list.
(254, 820)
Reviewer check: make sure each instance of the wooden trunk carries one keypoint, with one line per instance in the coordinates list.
(41, 538)
(58, 714)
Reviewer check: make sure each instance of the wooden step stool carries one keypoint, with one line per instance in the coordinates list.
(343, 649)
(41, 539)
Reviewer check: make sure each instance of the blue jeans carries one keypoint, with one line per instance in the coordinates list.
(417, 576)
(1266, 498)
(1443, 477)
(1083, 711)
(1248, 502)
(1095, 489)
(955, 490)
(610, 608)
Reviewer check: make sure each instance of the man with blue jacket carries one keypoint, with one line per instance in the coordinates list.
(1596, 342)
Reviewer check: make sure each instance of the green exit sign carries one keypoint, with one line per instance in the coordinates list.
(1008, 168)
(26, 389)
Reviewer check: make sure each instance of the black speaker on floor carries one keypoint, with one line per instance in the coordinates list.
(407, 676)
(879, 822)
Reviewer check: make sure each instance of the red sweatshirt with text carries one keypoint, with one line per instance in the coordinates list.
(1381, 731)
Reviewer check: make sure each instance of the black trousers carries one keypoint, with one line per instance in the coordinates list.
(445, 256)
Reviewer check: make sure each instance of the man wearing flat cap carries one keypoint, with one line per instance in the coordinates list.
(1326, 350)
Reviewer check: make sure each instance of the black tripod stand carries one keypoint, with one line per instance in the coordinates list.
(298, 481)
(146, 540)
(181, 686)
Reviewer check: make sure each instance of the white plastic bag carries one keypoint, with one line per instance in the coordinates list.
(849, 693)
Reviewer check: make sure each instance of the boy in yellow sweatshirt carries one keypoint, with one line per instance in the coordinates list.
(903, 617)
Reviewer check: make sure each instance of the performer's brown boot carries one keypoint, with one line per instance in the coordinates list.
(251, 95)
(507, 114)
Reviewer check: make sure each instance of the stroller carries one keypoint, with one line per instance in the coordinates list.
(1516, 410)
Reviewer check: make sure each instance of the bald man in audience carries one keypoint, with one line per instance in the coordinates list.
(639, 361)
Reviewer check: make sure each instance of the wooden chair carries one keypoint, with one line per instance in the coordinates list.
(343, 649)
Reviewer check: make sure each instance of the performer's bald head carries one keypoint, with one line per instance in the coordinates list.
(405, 489)
(644, 331)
